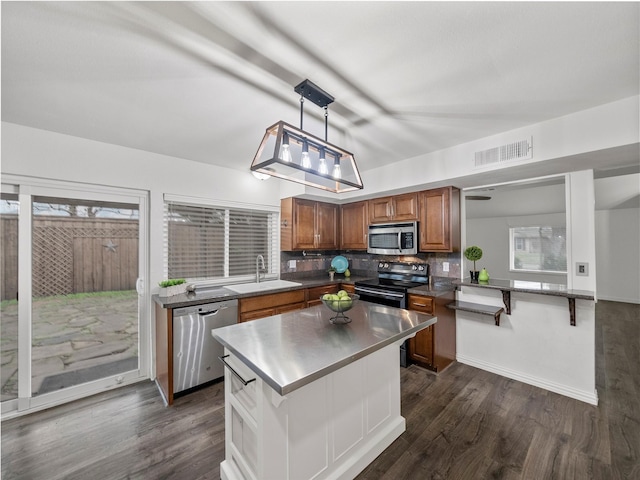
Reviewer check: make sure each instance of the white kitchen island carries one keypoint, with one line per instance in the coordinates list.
(308, 399)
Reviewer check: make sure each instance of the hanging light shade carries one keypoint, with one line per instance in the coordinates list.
(290, 153)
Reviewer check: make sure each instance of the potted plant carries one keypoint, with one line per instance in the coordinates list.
(173, 286)
(474, 254)
(332, 272)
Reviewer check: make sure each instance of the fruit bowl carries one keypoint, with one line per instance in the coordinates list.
(339, 303)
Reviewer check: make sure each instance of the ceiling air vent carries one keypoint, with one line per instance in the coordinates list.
(511, 151)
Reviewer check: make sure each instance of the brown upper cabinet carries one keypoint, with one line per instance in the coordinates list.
(440, 220)
(393, 209)
(308, 225)
(354, 226)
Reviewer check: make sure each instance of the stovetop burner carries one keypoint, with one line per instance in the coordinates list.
(398, 276)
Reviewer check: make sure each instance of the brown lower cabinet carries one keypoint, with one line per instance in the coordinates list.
(348, 287)
(314, 293)
(164, 352)
(262, 306)
(250, 308)
(435, 346)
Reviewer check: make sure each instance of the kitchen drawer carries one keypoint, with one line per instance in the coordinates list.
(244, 444)
(348, 287)
(256, 314)
(245, 395)
(263, 302)
(420, 304)
(290, 308)
(314, 293)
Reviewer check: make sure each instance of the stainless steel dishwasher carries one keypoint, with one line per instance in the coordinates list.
(195, 351)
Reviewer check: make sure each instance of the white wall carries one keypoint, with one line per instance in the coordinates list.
(581, 240)
(618, 254)
(554, 143)
(536, 344)
(48, 155)
(617, 229)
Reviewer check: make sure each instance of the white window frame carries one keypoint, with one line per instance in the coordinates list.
(274, 241)
(512, 251)
(27, 188)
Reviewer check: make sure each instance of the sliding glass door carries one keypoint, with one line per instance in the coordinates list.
(80, 303)
(9, 241)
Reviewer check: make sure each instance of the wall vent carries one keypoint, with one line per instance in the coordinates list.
(504, 153)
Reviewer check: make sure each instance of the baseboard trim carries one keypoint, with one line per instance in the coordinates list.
(635, 301)
(583, 396)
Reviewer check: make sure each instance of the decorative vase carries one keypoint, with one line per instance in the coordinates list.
(474, 276)
(483, 276)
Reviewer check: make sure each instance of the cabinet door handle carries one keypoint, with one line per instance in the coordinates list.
(244, 382)
(419, 304)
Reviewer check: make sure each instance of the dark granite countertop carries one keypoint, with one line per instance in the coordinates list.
(554, 289)
(219, 293)
(437, 289)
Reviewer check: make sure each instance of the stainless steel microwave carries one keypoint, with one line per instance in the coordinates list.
(393, 238)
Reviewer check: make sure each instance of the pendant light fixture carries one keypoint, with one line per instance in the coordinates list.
(292, 154)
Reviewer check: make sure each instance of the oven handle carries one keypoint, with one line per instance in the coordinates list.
(380, 293)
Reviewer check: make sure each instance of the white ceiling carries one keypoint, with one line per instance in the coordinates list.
(203, 80)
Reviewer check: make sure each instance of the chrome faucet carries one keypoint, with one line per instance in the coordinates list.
(259, 260)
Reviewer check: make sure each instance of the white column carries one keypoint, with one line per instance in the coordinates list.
(581, 241)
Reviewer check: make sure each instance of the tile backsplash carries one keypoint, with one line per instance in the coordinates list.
(364, 264)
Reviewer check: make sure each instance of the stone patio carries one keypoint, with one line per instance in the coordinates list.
(87, 334)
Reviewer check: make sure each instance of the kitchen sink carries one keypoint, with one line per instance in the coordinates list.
(263, 286)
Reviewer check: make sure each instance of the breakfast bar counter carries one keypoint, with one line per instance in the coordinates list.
(305, 398)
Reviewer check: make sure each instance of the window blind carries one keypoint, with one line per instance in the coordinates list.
(208, 242)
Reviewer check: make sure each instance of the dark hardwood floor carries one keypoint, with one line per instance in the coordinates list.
(462, 424)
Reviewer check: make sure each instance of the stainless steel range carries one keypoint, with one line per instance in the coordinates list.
(393, 282)
(392, 287)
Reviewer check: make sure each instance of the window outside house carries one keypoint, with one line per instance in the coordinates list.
(538, 249)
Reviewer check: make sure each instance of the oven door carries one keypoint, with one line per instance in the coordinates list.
(391, 299)
(382, 297)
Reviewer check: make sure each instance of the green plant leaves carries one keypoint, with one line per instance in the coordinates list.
(473, 253)
(171, 282)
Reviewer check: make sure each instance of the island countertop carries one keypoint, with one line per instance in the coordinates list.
(293, 349)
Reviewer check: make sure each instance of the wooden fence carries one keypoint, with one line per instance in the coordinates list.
(72, 255)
